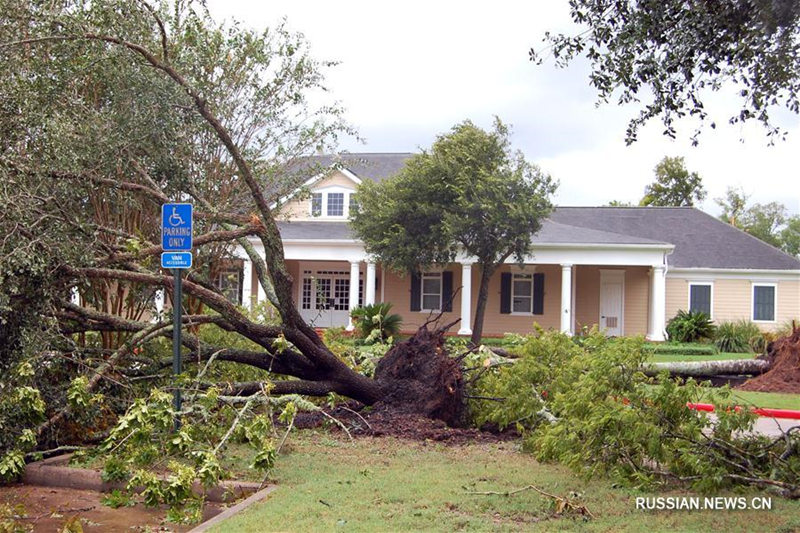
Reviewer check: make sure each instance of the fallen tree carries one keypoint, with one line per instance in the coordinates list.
(590, 407)
(701, 369)
(124, 103)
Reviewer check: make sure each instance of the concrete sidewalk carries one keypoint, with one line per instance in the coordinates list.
(774, 427)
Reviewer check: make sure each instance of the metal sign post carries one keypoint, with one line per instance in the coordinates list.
(176, 241)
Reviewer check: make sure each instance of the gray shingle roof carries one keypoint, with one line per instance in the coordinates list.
(315, 230)
(701, 241)
(558, 233)
(374, 166)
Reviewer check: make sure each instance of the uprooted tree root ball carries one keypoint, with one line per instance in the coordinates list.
(784, 372)
(418, 376)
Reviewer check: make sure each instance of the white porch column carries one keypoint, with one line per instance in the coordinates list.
(566, 298)
(658, 303)
(354, 271)
(369, 295)
(466, 299)
(247, 283)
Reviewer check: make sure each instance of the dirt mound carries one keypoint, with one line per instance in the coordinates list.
(418, 377)
(385, 421)
(784, 372)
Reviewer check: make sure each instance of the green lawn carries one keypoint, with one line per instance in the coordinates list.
(668, 358)
(326, 483)
(774, 400)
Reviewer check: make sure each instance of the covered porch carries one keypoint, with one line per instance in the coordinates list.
(619, 287)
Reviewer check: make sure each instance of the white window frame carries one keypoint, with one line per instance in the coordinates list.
(711, 296)
(753, 286)
(324, 192)
(513, 279)
(430, 275)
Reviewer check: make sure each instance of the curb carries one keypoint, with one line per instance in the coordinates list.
(236, 509)
(51, 473)
(791, 414)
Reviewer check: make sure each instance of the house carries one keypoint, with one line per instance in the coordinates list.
(627, 269)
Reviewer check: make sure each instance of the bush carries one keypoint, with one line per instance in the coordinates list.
(736, 337)
(681, 349)
(690, 326)
(375, 324)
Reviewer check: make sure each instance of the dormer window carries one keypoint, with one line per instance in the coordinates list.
(332, 203)
(335, 204)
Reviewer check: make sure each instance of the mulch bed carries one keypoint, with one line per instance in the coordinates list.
(381, 421)
(784, 372)
(49, 509)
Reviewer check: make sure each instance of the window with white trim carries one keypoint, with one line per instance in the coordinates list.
(700, 297)
(764, 302)
(522, 293)
(335, 204)
(316, 204)
(431, 293)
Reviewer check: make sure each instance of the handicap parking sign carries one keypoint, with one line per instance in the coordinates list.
(176, 227)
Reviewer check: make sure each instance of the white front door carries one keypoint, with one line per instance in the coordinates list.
(612, 293)
(325, 298)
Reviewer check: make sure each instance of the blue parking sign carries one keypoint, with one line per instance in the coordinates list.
(176, 227)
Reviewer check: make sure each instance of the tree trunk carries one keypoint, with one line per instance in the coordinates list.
(708, 368)
(480, 306)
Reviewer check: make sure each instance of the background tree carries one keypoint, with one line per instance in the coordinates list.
(674, 185)
(769, 222)
(470, 193)
(668, 55)
(733, 205)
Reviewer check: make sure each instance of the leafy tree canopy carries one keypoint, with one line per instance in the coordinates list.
(674, 185)
(769, 222)
(471, 192)
(666, 55)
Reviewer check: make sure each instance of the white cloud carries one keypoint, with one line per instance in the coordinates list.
(411, 70)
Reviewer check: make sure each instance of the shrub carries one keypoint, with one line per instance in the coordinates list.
(681, 349)
(690, 326)
(375, 324)
(736, 337)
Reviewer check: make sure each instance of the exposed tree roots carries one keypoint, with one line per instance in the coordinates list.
(418, 376)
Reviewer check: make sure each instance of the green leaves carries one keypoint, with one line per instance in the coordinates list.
(613, 421)
(674, 185)
(666, 55)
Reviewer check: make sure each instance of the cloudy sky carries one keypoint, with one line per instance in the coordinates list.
(409, 71)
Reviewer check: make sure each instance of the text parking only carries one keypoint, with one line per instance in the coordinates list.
(176, 235)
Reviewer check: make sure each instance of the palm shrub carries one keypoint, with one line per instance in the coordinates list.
(690, 326)
(736, 337)
(374, 322)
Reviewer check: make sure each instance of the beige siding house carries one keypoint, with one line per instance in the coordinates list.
(628, 270)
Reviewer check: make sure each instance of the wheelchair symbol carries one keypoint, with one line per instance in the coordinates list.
(175, 219)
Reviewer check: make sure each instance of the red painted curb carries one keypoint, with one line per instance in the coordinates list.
(760, 411)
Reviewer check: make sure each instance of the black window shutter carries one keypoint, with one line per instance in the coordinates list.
(505, 293)
(538, 294)
(447, 291)
(416, 291)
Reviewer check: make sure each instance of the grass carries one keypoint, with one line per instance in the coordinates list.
(669, 358)
(773, 400)
(384, 484)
